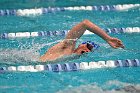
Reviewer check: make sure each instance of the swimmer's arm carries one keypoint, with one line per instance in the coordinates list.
(77, 31)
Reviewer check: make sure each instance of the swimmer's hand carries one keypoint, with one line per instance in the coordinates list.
(115, 42)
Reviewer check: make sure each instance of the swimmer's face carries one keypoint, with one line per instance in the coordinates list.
(83, 48)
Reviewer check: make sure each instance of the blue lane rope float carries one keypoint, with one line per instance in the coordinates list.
(64, 32)
(66, 67)
(39, 11)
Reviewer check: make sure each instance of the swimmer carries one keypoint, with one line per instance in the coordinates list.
(67, 46)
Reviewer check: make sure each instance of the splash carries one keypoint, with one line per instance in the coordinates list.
(25, 53)
(15, 55)
(94, 88)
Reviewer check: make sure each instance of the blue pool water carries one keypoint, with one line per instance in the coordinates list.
(26, 51)
(22, 4)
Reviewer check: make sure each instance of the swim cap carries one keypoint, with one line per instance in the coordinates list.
(96, 46)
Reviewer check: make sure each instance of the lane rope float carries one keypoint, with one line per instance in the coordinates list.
(66, 67)
(40, 11)
(64, 32)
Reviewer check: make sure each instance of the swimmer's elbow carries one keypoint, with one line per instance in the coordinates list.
(85, 21)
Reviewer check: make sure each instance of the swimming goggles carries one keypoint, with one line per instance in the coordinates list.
(95, 46)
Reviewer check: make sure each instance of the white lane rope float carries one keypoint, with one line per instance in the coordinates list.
(40, 11)
(66, 67)
(64, 32)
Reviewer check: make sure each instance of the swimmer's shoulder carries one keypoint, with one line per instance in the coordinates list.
(69, 41)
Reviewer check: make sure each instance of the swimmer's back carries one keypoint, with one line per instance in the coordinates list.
(65, 47)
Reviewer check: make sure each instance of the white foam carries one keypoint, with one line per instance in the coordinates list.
(94, 88)
(15, 55)
(26, 52)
